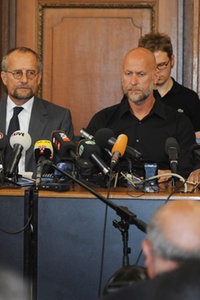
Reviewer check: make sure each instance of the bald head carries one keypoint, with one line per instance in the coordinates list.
(174, 230)
(142, 55)
(139, 75)
(173, 235)
(179, 222)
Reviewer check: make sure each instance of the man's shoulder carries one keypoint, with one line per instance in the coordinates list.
(112, 108)
(3, 100)
(136, 291)
(170, 113)
(184, 91)
(49, 105)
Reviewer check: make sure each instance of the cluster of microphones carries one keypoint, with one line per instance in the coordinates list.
(91, 158)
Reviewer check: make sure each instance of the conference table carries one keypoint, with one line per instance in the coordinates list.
(68, 243)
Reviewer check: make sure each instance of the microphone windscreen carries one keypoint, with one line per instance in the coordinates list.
(43, 148)
(59, 135)
(61, 143)
(171, 142)
(3, 141)
(21, 138)
(102, 136)
(86, 148)
(120, 144)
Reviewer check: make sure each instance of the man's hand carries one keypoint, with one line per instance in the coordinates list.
(194, 177)
(164, 178)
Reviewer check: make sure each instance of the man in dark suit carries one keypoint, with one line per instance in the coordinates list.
(21, 74)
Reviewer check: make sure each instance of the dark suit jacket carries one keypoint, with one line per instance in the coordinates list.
(45, 118)
(182, 283)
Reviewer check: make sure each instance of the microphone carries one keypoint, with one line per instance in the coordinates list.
(88, 149)
(104, 138)
(172, 149)
(3, 144)
(86, 135)
(118, 149)
(43, 151)
(63, 145)
(19, 141)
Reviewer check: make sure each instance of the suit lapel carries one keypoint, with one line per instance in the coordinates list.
(3, 115)
(39, 119)
(37, 125)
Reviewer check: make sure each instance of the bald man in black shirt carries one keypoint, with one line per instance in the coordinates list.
(146, 120)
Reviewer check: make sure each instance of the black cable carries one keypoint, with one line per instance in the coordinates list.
(139, 255)
(174, 191)
(20, 230)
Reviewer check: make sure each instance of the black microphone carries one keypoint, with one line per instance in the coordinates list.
(172, 149)
(3, 144)
(63, 145)
(104, 138)
(43, 151)
(19, 141)
(88, 149)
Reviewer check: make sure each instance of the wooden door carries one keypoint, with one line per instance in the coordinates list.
(82, 46)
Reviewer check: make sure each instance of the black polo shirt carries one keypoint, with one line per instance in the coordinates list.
(183, 100)
(150, 134)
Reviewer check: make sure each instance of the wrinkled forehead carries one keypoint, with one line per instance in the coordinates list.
(22, 60)
(139, 58)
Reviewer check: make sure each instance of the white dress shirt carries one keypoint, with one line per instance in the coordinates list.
(24, 120)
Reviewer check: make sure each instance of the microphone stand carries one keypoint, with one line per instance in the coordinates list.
(127, 217)
(121, 211)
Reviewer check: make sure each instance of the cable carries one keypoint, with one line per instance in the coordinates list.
(141, 181)
(18, 231)
(173, 192)
(169, 175)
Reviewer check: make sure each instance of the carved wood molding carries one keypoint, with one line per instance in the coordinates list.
(47, 5)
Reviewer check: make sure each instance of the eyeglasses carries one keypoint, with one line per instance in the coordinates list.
(162, 66)
(17, 74)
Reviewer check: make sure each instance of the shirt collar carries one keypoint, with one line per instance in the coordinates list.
(158, 108)
(124, 106)
(27, 106)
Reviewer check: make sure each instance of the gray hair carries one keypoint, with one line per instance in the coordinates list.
(22, 50)
(162, 246)
(13, 286)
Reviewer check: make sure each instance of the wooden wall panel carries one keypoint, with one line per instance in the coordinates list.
(171, 22)
(82, 53)
(7, 31)
(191, 46)
(83, 44)
(27, 24)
